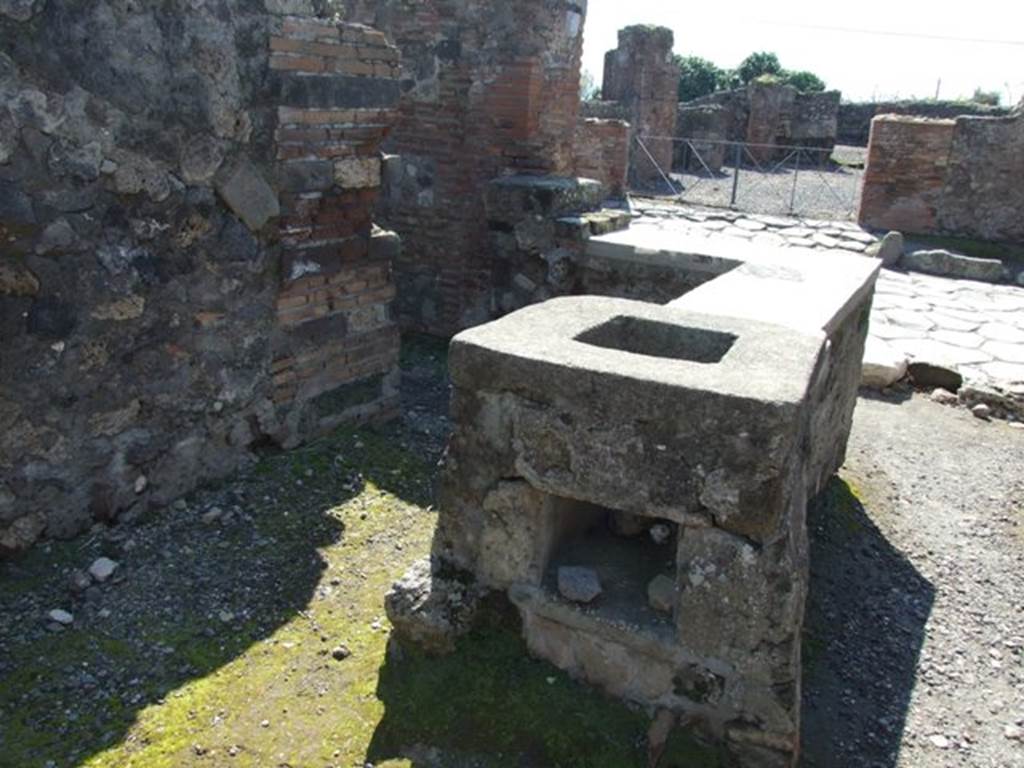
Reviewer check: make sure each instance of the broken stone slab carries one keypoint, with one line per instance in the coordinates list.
(946, 264)
(429, 610)
(883, 364)
(248, 195)
(578, 584)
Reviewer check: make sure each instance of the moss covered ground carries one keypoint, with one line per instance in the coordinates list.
(168, 683)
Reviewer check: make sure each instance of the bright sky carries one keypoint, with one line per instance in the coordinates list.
(850, 54)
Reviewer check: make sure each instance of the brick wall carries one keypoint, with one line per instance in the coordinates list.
(602, 152)
(336, 345)
(489, 88)
(905, 173)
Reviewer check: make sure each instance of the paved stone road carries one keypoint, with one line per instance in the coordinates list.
(975, 328)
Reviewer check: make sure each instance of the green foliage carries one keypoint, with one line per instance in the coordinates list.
(699, 77)
(804, 81)
(989, 98)
(589, 89)
(757, 64)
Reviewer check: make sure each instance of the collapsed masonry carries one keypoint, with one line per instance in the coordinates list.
(635, 477)
(188, 264)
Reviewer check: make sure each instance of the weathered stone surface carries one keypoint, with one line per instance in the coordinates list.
(925, 374)
(889, 249)
(19, 10)
(149, 338)
(430, 610)
(578, 417)
(661, 594)
(102, 569)
(514, 107)
(883, 365)
(357, 172)
(945, 176)
(947, 264)
(249, 196)
(580, 585)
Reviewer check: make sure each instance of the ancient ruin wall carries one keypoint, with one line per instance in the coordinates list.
(641, 75)
(854, 126)
(905, 173)
(771, 113)
(488, 88)
(602, 153)
(187, 264)
(983, 194)
(957, 177)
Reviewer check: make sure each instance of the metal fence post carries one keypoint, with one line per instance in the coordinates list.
(737, 160)
(796, 177)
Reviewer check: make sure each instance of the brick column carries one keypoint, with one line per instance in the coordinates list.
(336, 346)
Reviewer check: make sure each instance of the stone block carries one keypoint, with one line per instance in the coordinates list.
(248, 195)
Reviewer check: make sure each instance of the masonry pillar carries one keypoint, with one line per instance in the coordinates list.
(640, 73)
(336, 343)
(489, 88)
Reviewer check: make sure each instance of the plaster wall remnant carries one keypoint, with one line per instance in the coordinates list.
(641, 75)
(631, 445)
(957, 177)
(489, 89)
(188, 265)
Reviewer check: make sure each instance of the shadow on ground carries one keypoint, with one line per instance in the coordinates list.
(192, 598)
(490, 704)
(864, 628)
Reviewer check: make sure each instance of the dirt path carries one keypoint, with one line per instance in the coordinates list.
(915, 637)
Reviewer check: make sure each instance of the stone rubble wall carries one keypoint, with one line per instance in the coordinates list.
(854, 126)
(162, 166)
(957, 177)
(489, 88)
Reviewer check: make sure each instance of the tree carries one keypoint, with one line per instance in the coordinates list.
(804, 81)
(758, 64)
(698, 77)
(589, 89)
(990, 98)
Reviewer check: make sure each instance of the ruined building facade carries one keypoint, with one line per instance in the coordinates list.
(956, 177)
(188, 265)
(488, 89)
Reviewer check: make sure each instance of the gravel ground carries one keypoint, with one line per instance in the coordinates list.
(244, 625)
(829, 193)
(915, 625)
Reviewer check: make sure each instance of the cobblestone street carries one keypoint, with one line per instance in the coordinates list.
(975, 328)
